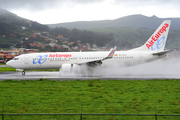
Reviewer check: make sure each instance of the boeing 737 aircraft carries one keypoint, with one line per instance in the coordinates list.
(152, 50)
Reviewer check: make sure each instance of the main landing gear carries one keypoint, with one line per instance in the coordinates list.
(23, 73)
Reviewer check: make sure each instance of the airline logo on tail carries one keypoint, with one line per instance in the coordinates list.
(160, 42)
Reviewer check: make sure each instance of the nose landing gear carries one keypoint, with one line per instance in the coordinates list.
(23, 73)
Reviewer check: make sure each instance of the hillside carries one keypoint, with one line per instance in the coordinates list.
(16, 31)
(130, 31)
(19, 32)
(12, 19)
(134, 21)
(8, 17)
(128, 38)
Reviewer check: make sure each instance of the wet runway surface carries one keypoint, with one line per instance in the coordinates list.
(57, 76)
(160, 69)
(3, 66)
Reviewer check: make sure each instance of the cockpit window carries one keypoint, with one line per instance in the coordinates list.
(16, 58)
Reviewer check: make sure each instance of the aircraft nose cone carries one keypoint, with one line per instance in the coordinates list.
(9, 63)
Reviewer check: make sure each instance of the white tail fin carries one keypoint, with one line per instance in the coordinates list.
(157, 41)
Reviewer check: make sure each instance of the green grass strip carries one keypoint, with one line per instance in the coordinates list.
(95, 96)
(2, 63)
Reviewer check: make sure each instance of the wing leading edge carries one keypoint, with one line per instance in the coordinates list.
(99, 61)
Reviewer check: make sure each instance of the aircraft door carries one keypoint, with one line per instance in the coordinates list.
(26, 59)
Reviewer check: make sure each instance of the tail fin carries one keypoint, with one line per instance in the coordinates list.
(157, 41)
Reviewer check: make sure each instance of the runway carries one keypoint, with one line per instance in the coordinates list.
(57, 76)
(160, 69)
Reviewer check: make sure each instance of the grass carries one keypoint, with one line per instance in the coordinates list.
(9, 69)
(95, 96)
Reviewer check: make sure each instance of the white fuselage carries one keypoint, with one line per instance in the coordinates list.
(54, 60)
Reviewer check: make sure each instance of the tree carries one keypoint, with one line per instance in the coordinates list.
(4, 45)
(18, 45)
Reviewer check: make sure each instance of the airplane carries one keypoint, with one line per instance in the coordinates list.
(153, 49)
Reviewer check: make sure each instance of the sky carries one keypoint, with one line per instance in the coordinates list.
(61, 11)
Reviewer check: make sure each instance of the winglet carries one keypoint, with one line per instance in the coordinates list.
(111, 53)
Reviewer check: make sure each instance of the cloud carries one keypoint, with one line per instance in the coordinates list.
(58, 11)
(144, 3)
(42, 4)
(50, 4)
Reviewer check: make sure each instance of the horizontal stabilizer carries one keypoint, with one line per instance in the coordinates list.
(162, 53)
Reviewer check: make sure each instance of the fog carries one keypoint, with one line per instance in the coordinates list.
(162, 68)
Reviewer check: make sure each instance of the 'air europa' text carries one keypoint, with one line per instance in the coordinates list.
(154, 38)
(60, 55)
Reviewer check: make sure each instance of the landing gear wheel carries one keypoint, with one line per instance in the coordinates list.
(23, 73)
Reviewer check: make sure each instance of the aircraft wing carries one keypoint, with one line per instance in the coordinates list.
(99, 61)
(162, 53)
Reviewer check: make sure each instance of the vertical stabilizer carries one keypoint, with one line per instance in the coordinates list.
(157, 41)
